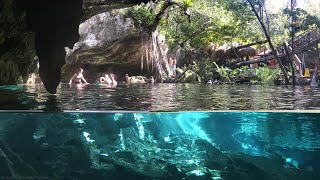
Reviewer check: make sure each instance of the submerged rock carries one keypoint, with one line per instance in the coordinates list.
(125, 121)
(124, 153)
(152, 130)
(199, 175)
(11, 165)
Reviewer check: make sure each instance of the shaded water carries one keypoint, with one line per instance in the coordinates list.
(162, 145)
(161, 97)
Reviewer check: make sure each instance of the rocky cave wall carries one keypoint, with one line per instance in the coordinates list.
(16, 44)
(54, 25)
(111, 43)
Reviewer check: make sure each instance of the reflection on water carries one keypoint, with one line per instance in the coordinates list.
(286, 145)
(161, 97)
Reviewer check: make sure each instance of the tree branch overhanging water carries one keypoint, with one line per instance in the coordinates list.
(269, 41)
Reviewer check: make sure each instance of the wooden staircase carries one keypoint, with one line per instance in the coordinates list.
(305, 41)
(301, 43)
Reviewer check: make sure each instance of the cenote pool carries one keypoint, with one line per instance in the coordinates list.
(188, 145)
(160, 97)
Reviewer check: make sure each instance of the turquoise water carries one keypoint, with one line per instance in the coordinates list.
(188, 145)
(160, 97)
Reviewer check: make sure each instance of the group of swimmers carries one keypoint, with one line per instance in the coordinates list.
(108, 79)
(78, 78)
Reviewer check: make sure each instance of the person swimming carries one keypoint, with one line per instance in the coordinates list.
(106, 79)
(170, 62)
(151, 80)
(137, 79)
(78, 77)
(174, 65)
(32, 79)
(113, 81)
(127, 78)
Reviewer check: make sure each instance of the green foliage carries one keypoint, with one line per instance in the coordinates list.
(312, 20)
(263, 75)
(142, 15)
(204, 69)
(188, 77)
(220, 21)
(187, 3)
(302, 19)
(242, 72)
(223, 72)
(191, 77)
(278, 30)
(266, 74)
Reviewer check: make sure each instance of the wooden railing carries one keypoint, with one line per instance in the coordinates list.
(302, 42)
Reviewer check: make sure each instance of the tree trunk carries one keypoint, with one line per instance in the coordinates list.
(291, 63)
(251, 44)
(270, 43)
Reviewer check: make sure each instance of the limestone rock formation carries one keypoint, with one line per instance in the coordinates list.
(108, 42)
(55, 25)
(126, 146)
(111, 43)
(16, 44)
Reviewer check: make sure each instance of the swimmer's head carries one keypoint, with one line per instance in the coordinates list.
(80, 71)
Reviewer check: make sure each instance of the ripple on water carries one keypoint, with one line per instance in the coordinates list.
(161, 97)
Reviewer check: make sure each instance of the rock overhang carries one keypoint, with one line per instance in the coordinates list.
(56, 24)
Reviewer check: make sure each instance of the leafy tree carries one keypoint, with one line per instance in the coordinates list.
(302, 19)
(193, 24)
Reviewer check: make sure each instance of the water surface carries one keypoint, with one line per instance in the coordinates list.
(160, 97)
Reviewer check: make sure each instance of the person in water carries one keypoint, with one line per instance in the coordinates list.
(170, 62)
(78, 77)
(151, 80)
(32, 79)
(174, 65)
(106, 79)
(113, 81)
(128, 79)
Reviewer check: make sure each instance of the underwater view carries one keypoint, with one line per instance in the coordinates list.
(160, 97)
(188, 145)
